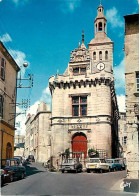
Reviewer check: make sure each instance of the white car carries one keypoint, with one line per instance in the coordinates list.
(97, 164)
(71, 165)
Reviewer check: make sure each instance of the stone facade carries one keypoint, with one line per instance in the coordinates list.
(19, 141)
(122, 133)
(38, 134)
(132, 93)
(84, 105)
(8, 78)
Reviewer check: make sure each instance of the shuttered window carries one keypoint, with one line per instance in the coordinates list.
(2, 68)
(1, 106)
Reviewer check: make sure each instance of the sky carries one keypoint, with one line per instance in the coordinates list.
(44, 32)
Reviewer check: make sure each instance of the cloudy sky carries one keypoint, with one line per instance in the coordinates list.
(44, 32)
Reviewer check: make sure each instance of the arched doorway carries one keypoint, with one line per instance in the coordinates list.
(8, 151)
(79, 145)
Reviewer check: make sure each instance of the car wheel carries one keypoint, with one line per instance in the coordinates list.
(11, 178)
(101, 171)
(62, 171)
(114, 169)
(22, 175)
(88, 170)
(109, 169)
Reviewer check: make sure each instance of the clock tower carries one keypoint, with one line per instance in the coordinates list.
(84, 105)
(101, 47)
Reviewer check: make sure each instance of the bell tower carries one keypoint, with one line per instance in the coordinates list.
(100, 22)
(101, 47)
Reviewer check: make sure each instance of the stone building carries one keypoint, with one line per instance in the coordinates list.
(19, 141)
(122, 134)
(132, 94)
(38, 134)
(8, 79)
(84, 105)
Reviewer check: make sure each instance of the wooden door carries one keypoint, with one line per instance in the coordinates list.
(79, 145)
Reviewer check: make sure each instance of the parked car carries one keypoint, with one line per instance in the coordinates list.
(114, 164)
(19, 157)
(123, 162)
(30, 158)
(14, 169)
(71, 165)
(97, 164)
(2, 176)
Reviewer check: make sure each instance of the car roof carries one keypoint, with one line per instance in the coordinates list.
(12, 159)
(96, 158)
(110, 159)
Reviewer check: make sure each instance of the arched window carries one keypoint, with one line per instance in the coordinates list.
(100, 55)
(105, 28)
(94, 55)
(96, 27)
(106, 55)
(100, 26)
(8, 151)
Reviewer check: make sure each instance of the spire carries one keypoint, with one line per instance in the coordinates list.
(82, 36)
(79, 44)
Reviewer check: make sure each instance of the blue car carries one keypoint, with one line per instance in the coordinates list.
(114, 164)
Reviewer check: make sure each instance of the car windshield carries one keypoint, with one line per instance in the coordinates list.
(12, 163)
(69, 161)
(109, 161)
(102, 161)
(94, 161)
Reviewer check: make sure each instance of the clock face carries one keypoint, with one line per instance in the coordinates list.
(100, 66)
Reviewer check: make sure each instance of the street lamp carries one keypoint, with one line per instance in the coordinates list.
(30, 78)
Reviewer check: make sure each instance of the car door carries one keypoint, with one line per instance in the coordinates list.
(17, 168)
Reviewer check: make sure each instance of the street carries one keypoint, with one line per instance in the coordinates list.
(39, 181)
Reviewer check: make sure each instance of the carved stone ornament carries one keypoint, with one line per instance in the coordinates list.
(79, 120)
(70, 69)
(97, 119)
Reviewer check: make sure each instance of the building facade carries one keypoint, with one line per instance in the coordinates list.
(38, 134)
(132, 93)
(19, 141)
(8, 79)
(84, 105)
(122, 134)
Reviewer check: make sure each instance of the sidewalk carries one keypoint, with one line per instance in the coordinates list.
(118, 186)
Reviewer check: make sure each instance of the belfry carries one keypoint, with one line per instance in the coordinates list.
(84, 105)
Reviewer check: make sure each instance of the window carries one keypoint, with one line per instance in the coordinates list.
(100, 26)
(124, 140)
(137, 81)
(82, 70)
(76, 71)
(94, 55)
(100, 55)
(79, 70)
(1, 105)
(79, 106)
(106, 55)
(2, 69)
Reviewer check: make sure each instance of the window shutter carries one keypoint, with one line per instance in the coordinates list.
(1, 105)
(2, 72)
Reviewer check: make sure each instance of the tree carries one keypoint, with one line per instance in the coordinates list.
(93, 153)
(67, 152)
